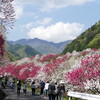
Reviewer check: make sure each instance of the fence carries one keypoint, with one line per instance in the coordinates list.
(83, 96)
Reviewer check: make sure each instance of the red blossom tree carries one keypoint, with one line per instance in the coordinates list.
(22, 72)
(48, 57)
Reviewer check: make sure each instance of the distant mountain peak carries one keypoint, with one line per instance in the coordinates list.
(36, 39)
(42, 46)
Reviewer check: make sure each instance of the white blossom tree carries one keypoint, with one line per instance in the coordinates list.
(6, 20)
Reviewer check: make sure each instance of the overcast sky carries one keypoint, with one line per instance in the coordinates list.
(53, 20)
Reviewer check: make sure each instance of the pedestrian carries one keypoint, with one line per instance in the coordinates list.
(61, 90)
(10, 80)
(24, 88)
(3, 84)
(56, 90)
(6, 80)
(42, 84)
(33, 87)
(12, 85)
(18, 87)
(46, 88)
(51, 91)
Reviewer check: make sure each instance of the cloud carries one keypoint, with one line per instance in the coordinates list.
(57, 32)
(44, 21)
(18, 11)
(28, 25)
(31, 14)
(46, 5)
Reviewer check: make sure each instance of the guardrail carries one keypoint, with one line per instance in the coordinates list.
(83, 96)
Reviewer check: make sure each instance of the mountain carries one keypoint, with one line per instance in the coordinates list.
(42, 46)
(18, 51)
(88, 39)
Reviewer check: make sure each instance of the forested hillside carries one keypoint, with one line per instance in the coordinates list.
(18, 52)
(88, 39)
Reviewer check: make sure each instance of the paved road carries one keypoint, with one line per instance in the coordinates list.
(12, 95)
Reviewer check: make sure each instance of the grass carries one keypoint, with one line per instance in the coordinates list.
(65, 98)
(73, 98)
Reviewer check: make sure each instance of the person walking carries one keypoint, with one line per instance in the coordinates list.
(61, 90)
(24, 88)
(12, 85)
(56, 90)
(42, 84)
(46, 88)
(6, 80)
(18, 87)
(3, 84)
(33, 87)
(51, 91)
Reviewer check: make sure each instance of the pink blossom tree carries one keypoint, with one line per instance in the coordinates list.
(89, 70)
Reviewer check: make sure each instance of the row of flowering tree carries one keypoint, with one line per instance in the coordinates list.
(30, 70)
(80, 70)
